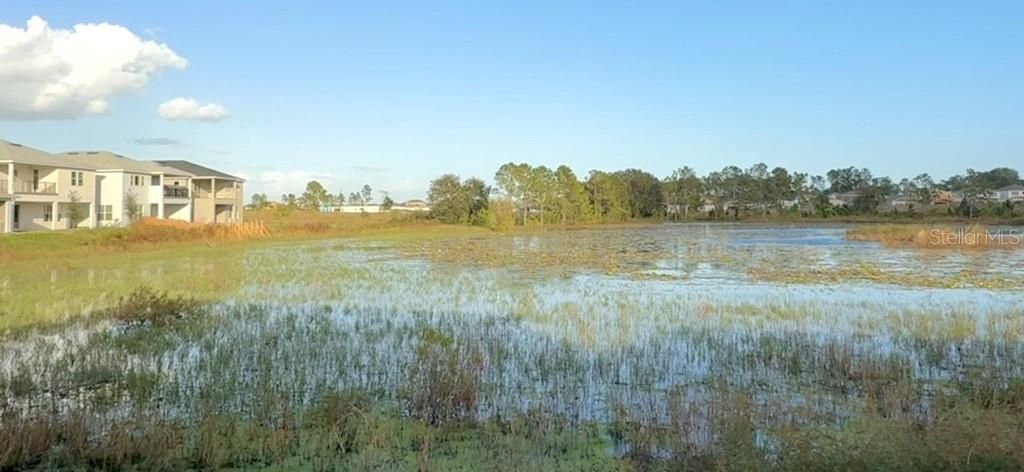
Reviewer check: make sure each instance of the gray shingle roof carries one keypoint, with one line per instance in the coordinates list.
(198, 170)
(104, 160)
(18, 154)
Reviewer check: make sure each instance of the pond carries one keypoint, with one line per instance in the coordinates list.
(585, 325)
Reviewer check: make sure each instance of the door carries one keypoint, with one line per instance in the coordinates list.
(17, 211)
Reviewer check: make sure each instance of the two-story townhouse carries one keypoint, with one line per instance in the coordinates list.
(41, 191)
(128, 189)
(216, 197)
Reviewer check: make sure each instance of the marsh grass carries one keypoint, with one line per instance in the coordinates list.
(969, 237)
(353, 355)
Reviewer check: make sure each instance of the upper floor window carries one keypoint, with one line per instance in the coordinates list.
(77, 178)
(137, 180)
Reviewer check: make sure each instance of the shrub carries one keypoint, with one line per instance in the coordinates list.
(443, 381)
(148, 306)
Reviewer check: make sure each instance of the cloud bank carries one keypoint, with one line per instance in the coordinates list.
(188, 109)
(157, 141)
(48, 73)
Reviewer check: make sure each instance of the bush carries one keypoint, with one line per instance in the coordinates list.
(444, 380)
(147, 306)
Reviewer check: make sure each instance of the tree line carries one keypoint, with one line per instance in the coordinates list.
(523, 194)
(317, 197)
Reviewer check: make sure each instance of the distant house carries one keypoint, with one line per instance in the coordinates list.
(411, 205)
(946, 197)
(41, 191)
(156, 191)
(843, 198)
(216, 197)
(902, 202)
(1010, 193)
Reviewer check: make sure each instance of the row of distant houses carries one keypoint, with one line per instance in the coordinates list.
(938, 198)
(409, 205)
(40, 191)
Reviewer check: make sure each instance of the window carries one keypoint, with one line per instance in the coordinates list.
(77, 178)
(139, 212)
(106, 213)
(47, 213)
(137, 180)
(155, 180)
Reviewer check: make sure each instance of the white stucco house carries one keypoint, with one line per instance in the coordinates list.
(129, 189)
(1010, 193)
(41, 191)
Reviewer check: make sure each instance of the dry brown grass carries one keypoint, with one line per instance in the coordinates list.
(975, 237)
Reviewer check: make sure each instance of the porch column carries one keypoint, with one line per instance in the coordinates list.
(7, 225)
(92, 214)
(191, 200)
(213, 197)
(10, 179)
(54, 209)
(160, 206)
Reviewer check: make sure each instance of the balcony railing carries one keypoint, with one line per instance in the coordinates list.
(24, 186)
(222, 193)
(175, 192)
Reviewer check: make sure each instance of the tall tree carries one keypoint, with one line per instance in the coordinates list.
(447, 202)
(608, 196)
(476, 193)
(541, 190)
(453, 201)
(514, 181)
(315, 196)
(260, 201)
(571, 202)
(683, 192)
(643, 191)
(848, 179)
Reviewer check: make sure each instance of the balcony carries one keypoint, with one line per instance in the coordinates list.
(3, 185)
(227, 193)
(175, 192)
(38, 188)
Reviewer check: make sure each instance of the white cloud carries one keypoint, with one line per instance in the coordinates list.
(188, 109)
(48, 73)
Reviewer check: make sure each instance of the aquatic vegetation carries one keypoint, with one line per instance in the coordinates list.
(147, 306)
(362, 354)
(976, 237)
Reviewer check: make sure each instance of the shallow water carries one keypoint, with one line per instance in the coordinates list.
(684, 314)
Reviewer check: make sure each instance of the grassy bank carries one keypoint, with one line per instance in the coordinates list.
(280, 227)
(305, 226)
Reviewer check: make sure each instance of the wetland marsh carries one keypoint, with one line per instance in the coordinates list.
(651, 347)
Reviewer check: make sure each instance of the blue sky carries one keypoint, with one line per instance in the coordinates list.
(394, 94)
